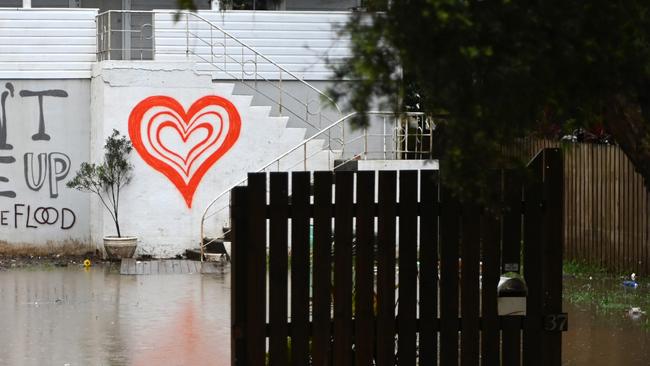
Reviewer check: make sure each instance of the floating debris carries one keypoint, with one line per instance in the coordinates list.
(631, 282)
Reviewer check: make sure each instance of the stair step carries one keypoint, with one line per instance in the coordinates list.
(214, 245)
(195, 255)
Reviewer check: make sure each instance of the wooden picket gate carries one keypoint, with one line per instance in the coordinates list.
(406, 275)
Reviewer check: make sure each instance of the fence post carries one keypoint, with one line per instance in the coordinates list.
(553, 246)
(533, 225)
(238, 298)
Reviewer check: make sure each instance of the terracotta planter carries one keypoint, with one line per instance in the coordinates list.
(118, 248)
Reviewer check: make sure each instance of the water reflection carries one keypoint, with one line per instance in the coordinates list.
(58, 316)
(70, 316)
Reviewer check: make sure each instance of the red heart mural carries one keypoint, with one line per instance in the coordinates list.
(183, 145)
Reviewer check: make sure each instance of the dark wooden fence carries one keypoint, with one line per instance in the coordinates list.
(606, 206)
(403, 275)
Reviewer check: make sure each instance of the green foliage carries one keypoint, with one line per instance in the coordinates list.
(108, 178)
(502, 70)
(583, 269)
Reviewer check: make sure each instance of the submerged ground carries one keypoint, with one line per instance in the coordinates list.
(56, 312)
(607, 321)
(53, 315)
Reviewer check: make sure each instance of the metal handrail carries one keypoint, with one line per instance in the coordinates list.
(235, 39)
(303, 144)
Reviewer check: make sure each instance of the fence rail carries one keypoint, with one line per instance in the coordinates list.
(394, 269)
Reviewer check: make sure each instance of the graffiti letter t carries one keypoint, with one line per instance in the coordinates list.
(41, 135)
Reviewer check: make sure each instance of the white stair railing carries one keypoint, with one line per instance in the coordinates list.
(388, 135)
(119, 33)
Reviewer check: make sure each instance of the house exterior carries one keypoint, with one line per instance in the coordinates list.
(204, 96)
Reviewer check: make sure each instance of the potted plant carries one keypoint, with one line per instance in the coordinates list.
(106, 180)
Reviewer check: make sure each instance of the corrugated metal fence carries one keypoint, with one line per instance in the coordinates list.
(605, 206)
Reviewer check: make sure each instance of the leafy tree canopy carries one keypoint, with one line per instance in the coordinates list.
(505, 69)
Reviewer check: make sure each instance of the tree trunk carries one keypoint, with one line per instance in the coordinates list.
(117, 226)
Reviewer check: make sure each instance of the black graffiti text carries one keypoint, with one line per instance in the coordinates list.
(33, 217)
(54, 167)
(3, 137)
(41, 135)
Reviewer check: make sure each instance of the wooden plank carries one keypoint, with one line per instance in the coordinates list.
(176, 266)
(169, 266)
(139, 268)
(322, 268)
(511, 340)
(238, 277)
(449, 234)
(428, 341)
(300, 187)
(387, 213)
(125, 265)
(132, 267)
(146, 267)
(278, 270)
(343, 269)
(470, 301)
(511, 222)
(364, 334)
(407, 281)
(490, 233)
(619, 184)
(196, 267)
(154, 266)
(256, 267)
(553, 249)
(532, 335)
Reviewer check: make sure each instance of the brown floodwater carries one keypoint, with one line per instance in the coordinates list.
(606, 335)
(72, 316)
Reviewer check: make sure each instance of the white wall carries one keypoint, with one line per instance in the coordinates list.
(153, 207)
(43, 43)
(299, 41)
(35, 206)
(47, 43)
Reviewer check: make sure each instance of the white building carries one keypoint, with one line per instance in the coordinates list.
(205, 97)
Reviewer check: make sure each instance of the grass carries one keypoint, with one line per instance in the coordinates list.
(592, 289)
(583, 269)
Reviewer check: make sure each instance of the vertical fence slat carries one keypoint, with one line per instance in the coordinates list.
(470, 248)
(428, 337)
(238, 299)
(300, 186)
(343, 269)
(511, 222)
(407, 308)
(278, 269)
(532, 350)
(322, 268)
(510, 258)
(386, 269)
(491, 251)
(619, 184)
(256, 267)
(553, 249)
(511, 340)
(364, 287)
(449, 231)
